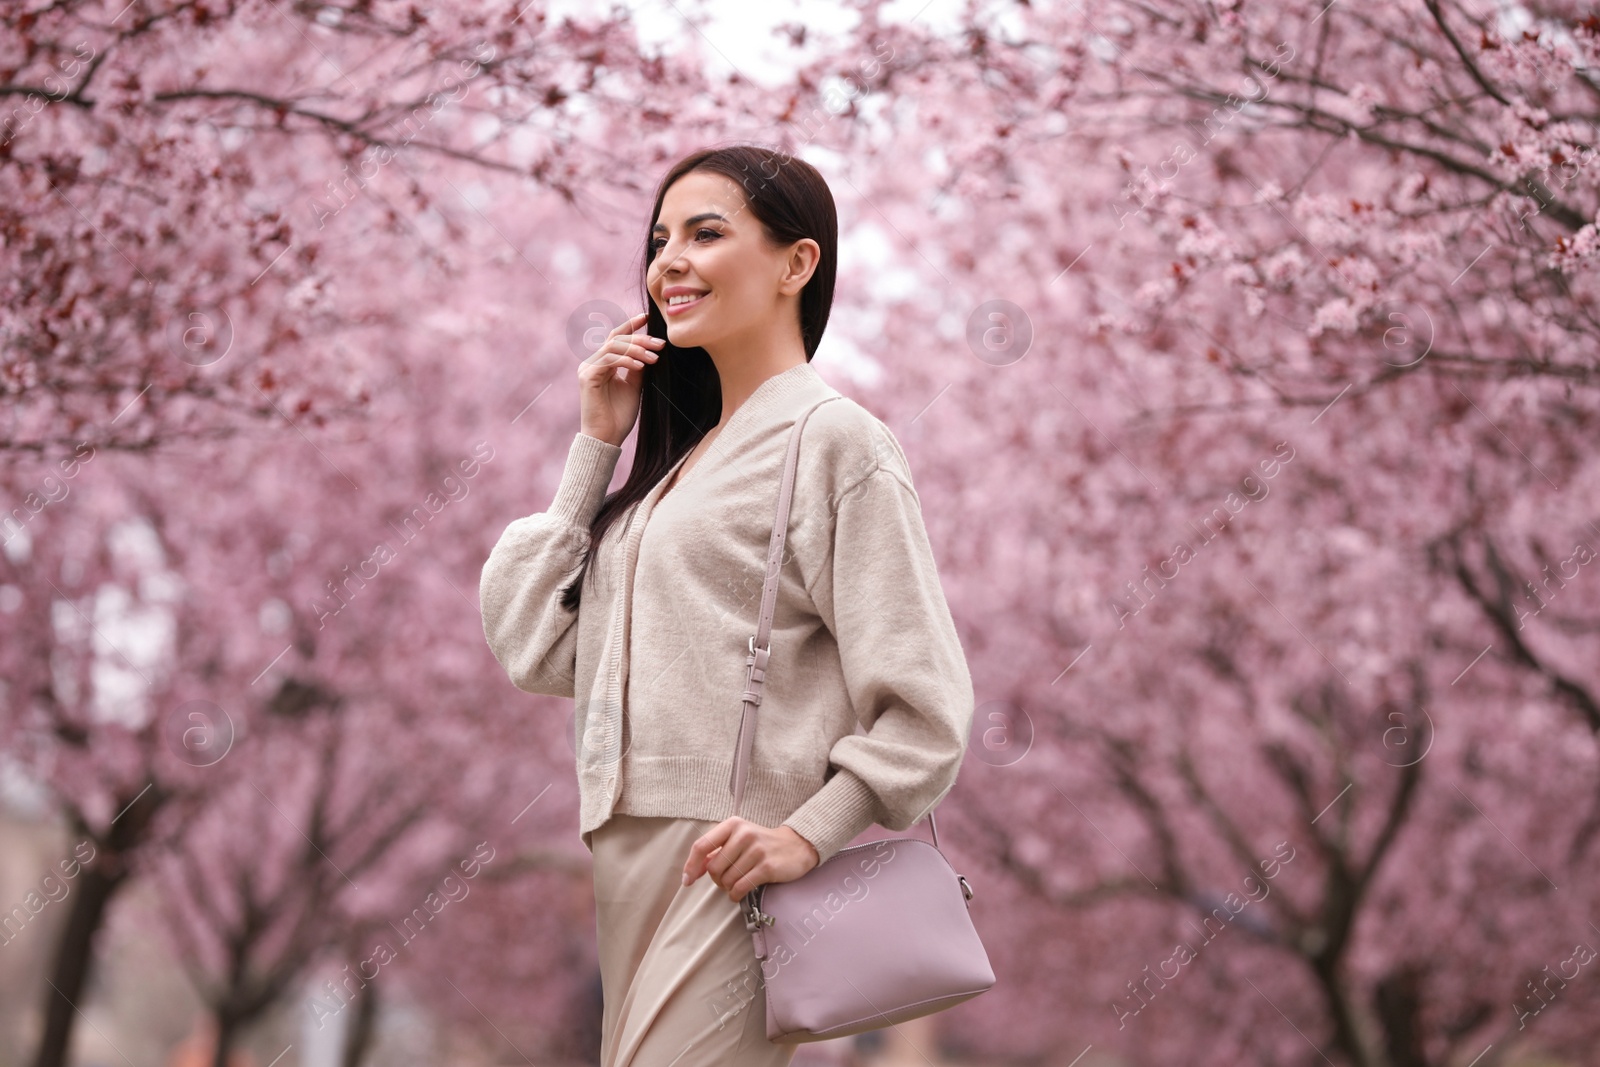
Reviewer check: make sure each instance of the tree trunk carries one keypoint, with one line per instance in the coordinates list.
(101, 877)
(227, 1030)
(1399, 999)
(73, 958)
(358, 1036)
(1349, 1035)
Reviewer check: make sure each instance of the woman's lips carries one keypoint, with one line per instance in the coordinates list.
(674, 309)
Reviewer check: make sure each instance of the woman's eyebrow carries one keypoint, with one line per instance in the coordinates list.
(690, 221)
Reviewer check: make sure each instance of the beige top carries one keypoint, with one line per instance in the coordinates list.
(868, 703)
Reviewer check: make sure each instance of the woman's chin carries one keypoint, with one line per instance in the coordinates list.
(686, 338)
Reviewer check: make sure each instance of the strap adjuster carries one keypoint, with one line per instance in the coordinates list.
(755, 670)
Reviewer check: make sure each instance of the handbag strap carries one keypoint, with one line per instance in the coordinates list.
(761, 642)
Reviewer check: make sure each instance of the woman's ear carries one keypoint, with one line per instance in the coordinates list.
(804, 255)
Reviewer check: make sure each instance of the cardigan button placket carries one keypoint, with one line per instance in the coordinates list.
(627, 559)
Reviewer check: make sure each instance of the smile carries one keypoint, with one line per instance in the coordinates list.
(682, 306)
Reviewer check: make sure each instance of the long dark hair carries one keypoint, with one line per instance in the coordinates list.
(680, 396)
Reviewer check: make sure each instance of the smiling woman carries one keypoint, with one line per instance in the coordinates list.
(630, 604)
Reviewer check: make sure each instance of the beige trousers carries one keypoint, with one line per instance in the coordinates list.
(680, 979)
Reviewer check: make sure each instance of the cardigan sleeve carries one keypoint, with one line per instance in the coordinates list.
(878, 592)
(530, 633)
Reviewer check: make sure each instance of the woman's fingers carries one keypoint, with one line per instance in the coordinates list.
(703, 847)
(729, 854)
(626, 352)
(620, 340)
(644, 347)
(736, 873)
(603, 363)
(625, 327)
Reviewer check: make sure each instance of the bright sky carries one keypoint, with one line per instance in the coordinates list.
(738, 34)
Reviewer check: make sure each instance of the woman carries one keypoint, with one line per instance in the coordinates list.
(641, 604)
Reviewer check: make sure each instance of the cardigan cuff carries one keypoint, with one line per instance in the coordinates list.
(835, 814)
(590, 463)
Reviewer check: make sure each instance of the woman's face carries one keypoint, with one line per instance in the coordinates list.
(708, 246)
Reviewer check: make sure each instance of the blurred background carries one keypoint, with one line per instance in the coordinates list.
(1245, 357)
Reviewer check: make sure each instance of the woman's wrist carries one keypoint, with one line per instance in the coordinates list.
(816, 857)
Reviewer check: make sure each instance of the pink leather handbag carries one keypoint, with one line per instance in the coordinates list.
(879, 933)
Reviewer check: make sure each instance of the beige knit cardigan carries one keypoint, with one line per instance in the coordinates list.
(867, 703)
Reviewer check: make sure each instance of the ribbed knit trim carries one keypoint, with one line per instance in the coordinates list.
(701, 784)
(590, 464)
(840, 810)
(767, 396)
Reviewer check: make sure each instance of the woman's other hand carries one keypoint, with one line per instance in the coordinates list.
(740, 855)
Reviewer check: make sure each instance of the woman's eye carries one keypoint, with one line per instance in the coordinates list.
(656, 243)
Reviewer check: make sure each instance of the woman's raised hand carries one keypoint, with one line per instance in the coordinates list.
(608, 401)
